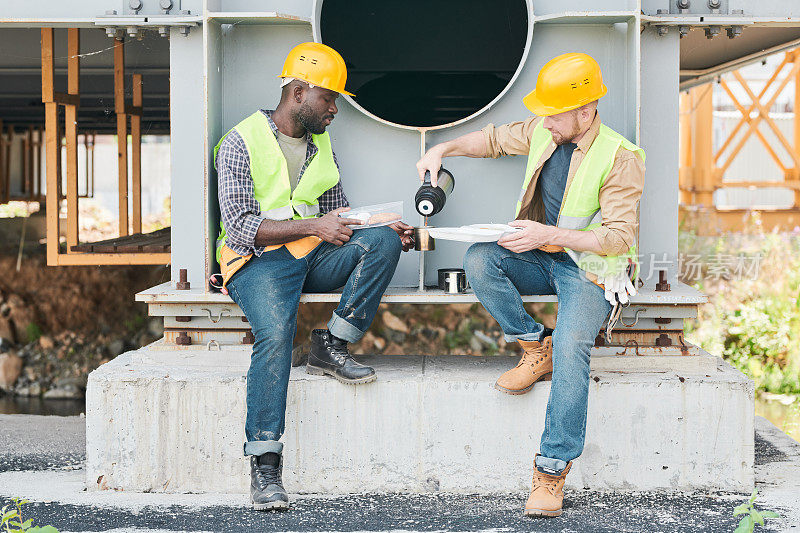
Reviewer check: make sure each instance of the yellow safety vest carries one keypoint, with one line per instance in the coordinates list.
(580, 208)
(268, 168)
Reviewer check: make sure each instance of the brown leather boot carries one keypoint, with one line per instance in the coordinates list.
(547, 493)
(536, 363)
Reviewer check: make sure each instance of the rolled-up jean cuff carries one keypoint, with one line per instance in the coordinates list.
(260, 447)
(343, 329)
(524, 337)
(554, 466)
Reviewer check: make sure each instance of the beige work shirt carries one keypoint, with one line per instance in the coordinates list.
(619, 195)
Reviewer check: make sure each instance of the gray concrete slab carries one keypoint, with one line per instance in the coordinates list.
(57, 498)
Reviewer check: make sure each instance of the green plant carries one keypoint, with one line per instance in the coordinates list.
(752, 516)
(33, 332)
(12, 521)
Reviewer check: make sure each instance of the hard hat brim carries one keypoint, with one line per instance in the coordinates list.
(535, 105)
(348, 93)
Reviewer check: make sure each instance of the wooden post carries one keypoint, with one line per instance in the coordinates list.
(91, 160)
(122, 134)
(37, 164)
(71, 131)
(52, 145)
(686, 170)
(29, 152)
(2, 163)
(25, 162)
(703, 146)
(136, 153)
(7, 161)
(796, 59)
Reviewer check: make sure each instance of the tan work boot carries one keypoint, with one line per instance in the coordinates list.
(536, 363)
(547, 493)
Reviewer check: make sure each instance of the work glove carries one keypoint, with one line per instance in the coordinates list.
(618, 288)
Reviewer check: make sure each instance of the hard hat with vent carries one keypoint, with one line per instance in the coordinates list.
(316, 64)
(566, 82)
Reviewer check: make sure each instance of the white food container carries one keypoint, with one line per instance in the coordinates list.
(381, 214)
(473, 232)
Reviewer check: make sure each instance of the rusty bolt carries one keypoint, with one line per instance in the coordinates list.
(663, 340)
(248, 338)
(596, 379)
(183, 284)
(183, 318)
(682, 378)
(662, 285)
(660, 320)
(244, 319)
(183, 339)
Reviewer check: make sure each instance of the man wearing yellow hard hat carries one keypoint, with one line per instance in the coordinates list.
(576, 223)
(281, 234)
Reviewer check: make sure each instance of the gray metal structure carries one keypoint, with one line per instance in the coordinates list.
(224, 56)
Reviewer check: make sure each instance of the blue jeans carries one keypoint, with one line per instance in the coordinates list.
(498, 277)
(268, 290)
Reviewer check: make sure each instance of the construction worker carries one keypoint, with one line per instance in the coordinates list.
(577, 228)
(281, 198)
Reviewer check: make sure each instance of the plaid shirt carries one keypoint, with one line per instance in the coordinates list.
(239, 209)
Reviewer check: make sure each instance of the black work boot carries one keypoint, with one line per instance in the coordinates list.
(329, 355)
(266, 487)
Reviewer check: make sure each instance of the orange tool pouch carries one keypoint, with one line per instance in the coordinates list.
(231, 262)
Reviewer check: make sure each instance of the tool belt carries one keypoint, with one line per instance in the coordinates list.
(231, 262)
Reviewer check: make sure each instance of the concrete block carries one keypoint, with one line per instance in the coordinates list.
(173, 421)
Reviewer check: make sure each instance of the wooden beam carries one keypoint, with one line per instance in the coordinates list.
(119, 76)
(122, 135)
(25, 188)
(704, 148)
(122, 169)
(52, 147)
(136, 156)
(77, 259)
(48, 90)
(67, 99)
(71, 131)
(7, 162)
(134, 109)
(94, 141)
(85, 165)
(796, 60)
(38, 162)
(3, 176)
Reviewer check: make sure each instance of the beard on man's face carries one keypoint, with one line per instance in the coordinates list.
(566, 138)
(312, 122)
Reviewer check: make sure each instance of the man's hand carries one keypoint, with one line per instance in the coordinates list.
(532, 235)
(334, 229)
(430, 162)
(405, 232)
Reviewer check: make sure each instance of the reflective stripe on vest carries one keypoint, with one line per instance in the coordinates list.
(268, 168)
(581, 204)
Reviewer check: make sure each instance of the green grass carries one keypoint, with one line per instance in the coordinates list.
(752, 320)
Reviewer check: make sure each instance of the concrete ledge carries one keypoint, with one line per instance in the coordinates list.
(172, 421)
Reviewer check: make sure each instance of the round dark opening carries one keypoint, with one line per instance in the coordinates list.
(426, 62)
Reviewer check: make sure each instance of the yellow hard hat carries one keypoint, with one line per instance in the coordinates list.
(566, 82)
(317, 64)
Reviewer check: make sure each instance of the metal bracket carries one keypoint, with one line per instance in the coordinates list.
(224, 312)
(635, 318)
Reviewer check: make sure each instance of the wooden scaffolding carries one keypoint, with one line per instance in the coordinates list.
(154, 249)
(702, 168)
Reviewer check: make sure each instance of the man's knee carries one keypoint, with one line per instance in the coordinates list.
(383, 240)
(480, 257)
